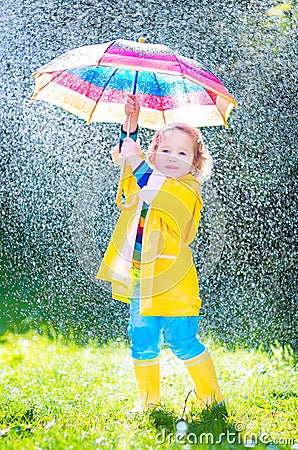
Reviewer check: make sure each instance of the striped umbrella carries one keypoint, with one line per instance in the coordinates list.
(92, 81)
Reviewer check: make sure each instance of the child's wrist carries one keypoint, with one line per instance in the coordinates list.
(123, 135)
(134, 130)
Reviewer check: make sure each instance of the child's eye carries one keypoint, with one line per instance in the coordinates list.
(165, 150)
(182, 153)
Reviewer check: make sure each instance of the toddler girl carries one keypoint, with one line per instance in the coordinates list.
(149, 261)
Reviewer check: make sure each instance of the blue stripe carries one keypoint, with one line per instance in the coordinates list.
(145, 209)
(142, 174)
(138, 247)
(159, 84)
(139, 239)
(144, 179)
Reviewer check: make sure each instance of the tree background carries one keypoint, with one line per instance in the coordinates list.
(54, 166)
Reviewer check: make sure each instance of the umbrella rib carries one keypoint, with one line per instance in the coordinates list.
(162, 110)
(99, 97)
(200, 84)
(185, 90)
(52, 79)
(183, 77)
(179, 64)
(111, 43)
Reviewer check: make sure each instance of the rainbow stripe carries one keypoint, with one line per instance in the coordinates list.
(168, 86)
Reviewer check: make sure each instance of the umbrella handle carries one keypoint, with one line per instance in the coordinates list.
(119, 203)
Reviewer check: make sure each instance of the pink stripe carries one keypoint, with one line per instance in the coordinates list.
(116, 52)
(168, 61)
(140, 63)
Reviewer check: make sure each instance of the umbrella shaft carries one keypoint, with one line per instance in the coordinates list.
(128, 126)
(135, 83)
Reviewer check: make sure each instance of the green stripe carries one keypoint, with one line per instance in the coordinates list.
(144, 212)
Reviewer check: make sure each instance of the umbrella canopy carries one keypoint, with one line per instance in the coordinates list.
(92, 81)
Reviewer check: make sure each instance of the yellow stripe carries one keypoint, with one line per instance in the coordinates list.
(66, 99)
(193, 115)
(137, 265)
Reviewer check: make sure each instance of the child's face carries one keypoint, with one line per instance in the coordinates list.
(175, 155)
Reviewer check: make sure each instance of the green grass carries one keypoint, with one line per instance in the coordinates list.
(57, 395)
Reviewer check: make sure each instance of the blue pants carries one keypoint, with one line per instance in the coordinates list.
(148, 333)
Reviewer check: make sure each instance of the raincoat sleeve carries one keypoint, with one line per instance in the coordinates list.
(179, 205)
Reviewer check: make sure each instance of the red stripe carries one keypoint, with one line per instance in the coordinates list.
(213, 96)
(174, 101)
(140, 230)
(76, 84)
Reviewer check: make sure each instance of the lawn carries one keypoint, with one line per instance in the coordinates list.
(56, 394)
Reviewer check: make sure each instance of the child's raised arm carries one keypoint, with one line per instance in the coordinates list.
(132, 110)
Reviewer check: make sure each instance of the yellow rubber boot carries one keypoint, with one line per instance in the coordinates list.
(147, 374)
(201, 370)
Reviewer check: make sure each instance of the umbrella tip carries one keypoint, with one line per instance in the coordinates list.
(141, 40)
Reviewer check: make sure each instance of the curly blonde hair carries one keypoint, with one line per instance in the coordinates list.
(202, 162)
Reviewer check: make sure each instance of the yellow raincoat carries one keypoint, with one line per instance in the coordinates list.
(168, 278)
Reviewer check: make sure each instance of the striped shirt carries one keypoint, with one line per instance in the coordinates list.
(142, 174)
